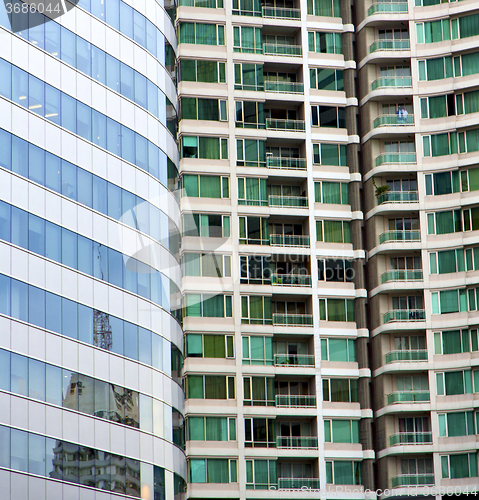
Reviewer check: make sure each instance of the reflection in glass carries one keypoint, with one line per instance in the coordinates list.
(19, 374)
(36, 379)
(19, 450)
(36, 454)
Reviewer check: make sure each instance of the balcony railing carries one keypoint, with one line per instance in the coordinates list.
(298, 360)
(278, 49)
(410, 438)
(297, 483)
(398, 197)
(392, 81)
(393, 120)
(412, 235)
(292, 319)
(291, 279)
(288, 125)
(408, 397)
(288, 401)
(287, 201)
(395, 158)
(412, 480)
(390, 7)
(289, 240)
(409, 355)
(401, 275)
(281, 13)
(296, 443)
(284, 87)
(286, 162)
(404, 315)
(390, 45)
(253, 203)
(248, 50)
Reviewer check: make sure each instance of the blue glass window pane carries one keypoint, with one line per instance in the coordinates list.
(69, 390)
(5, 221)
(113, 13)
(84, 4)
(131, 340)
(164, 229)
(83, 121)
(36, 307)
(117, 334)
(19, 450)
(36, 379)
(69, 248)
(53, 176)
(99, 129)
(114, 201)
(140, 89)
(36, 91)
(54, 312)
(69, 318)
(130, 281)
(4, 374)
(157, 351)
(84, 53)
(98, 9)
(19, 156)
(139, 28)
(6, 80)
(53, 385)
(144, 280)
(127, 81)
(100, 195)
(115, 268)
(127, 144)
(112, 73)
(18, 23)
(85, 255)
(37, 29)
(5, 22)
(152, 98)
(128, 204)
(4, 436)
(53, 242)
(19, 374)
(100, 261)
(36, 454)
(84, 187)
(98, 64)
(36, 234)
(5, 295)
(144, 353)
(153, 160)
(151, 37)
(165, 297)
(52, 104)
(19, 86)
(141, 152)
(163, 169)
(85, 324)
(69, 113)
(20, 228)
(162, 107)
(154, 230)
(69, 180)
(142, 215)
(5, 148)
(36, 164)
(161, 44)
(156, 291)
(67, 47)
(126, 20)
(113, 137)
(52, 39)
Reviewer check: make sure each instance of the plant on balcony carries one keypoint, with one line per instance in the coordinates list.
(380, 189)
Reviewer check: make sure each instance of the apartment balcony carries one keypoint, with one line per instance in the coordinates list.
(280, 319)
(410, 355)
(413, 480)
(393, 120)
(387, 7)
(395, 158)
(287, 201)
(278, 49)
(391, 236)
(389, 45)
(404, 315)
(289, 240)
(408, 397)
(293, 483)
(283, 87)
(285, 162)
(291, 279)
(295, 401)
(398, 197)
(297, 443)
(399, 275)
(281, 13)
(398, 82)
(294, 360)
(285, 125)
(410, 438)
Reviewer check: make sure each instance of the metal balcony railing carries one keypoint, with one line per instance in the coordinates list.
(412, 480)
(410, 438)
(289, 401)
(292, 319)
(388, 236)
(390, 45)
(390, 7)
(287, 201)
(297, 360)
(401, 275)
(398, 197)
(408, 397)
(395, 158)
(291, 279)
(289, 240)
(392, 81)
(404, 315)
(393, 120)
(287, 125)
(286, 162)
(284, 87)
(278, 49)
(281, 13)
(297, 483)
(409, 355)
(296, 443)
